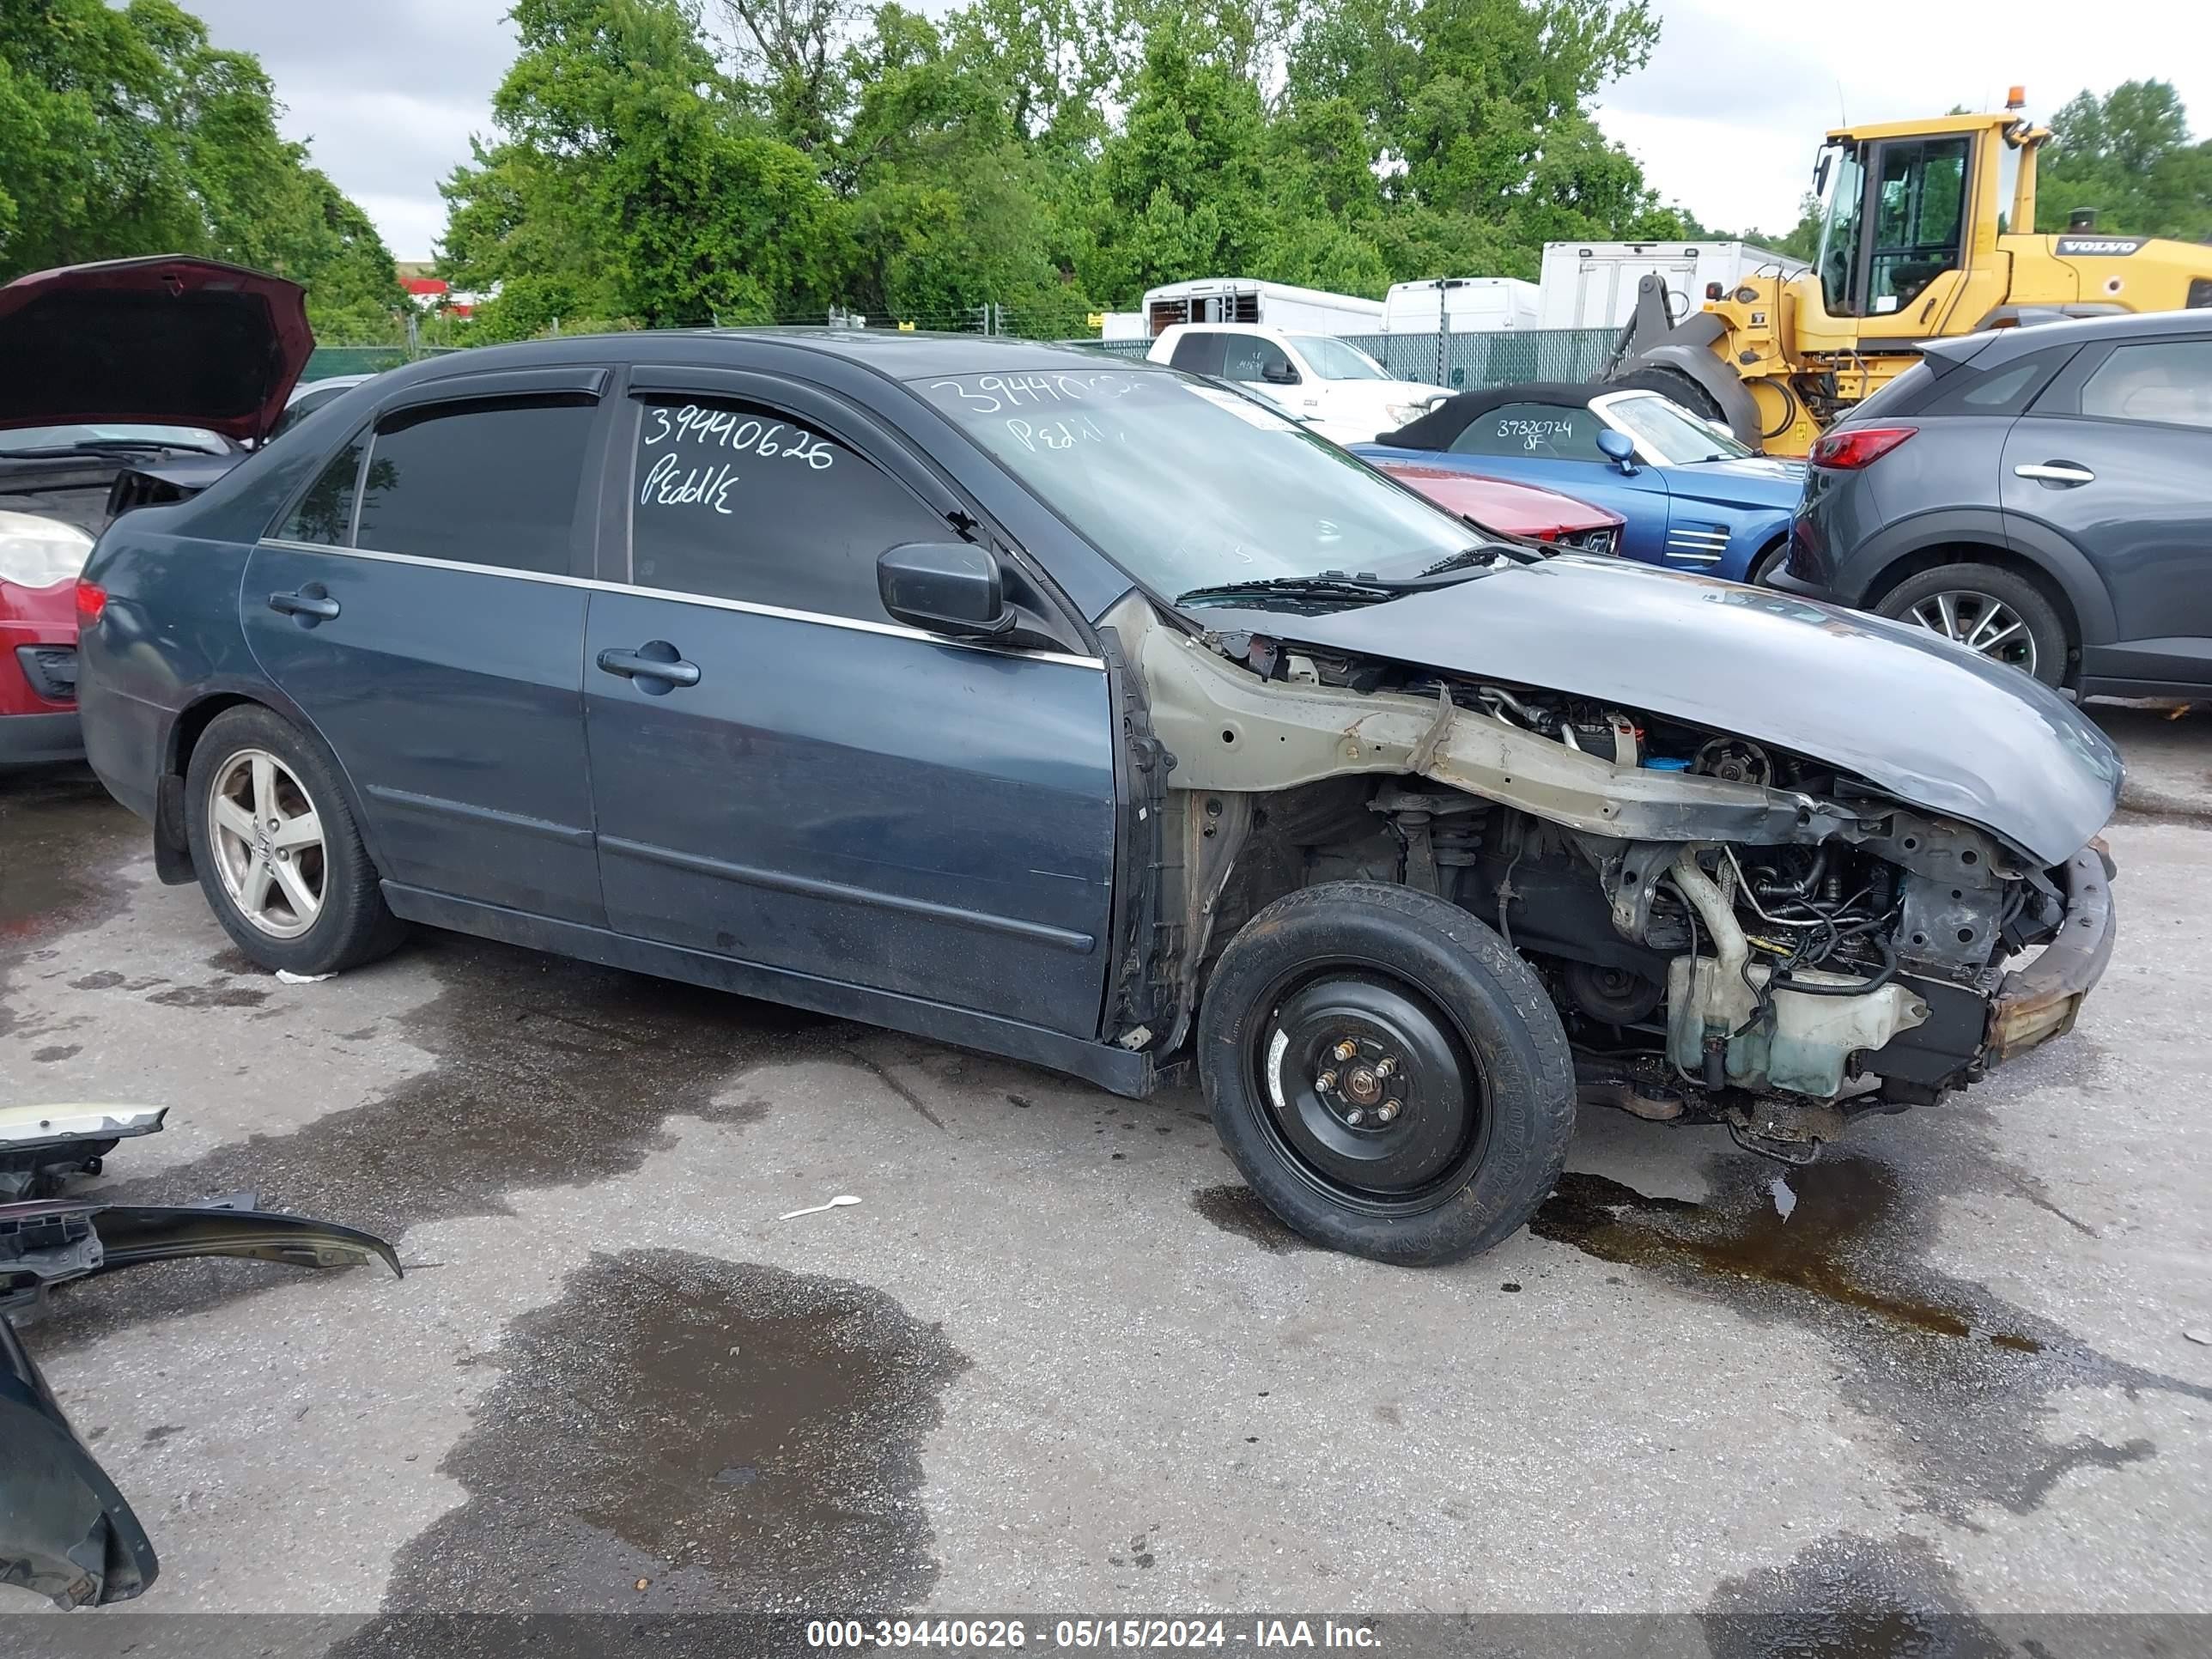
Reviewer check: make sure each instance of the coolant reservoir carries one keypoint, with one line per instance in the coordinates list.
(1803, 1046)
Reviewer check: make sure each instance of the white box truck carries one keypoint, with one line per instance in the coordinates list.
(1241, 300)
(1460, 304)
(1593, 285)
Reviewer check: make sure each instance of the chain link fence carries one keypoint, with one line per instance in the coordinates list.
(327, 361)
(1464, 362)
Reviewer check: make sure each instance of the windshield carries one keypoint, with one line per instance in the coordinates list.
(66, 437)
(1672, 433)
(1187, 485)
(1332, 360)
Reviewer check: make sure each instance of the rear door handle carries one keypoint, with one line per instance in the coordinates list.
(656, 662)
(311, 604)
(2057, 472)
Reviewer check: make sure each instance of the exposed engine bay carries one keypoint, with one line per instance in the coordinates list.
(1729, 932)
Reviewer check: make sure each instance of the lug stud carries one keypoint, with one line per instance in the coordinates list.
(1355, 1117)
(1386, 1065)
(1346, 1050)
(1325, 1082)
(1387, 1112)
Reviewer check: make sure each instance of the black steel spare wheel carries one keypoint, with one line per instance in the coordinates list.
(1369, 1087)
(1390, 1077)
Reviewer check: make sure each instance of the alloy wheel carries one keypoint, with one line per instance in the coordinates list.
(267, 837)
(1980, 623)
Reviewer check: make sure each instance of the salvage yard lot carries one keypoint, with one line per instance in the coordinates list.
(1056, 1359)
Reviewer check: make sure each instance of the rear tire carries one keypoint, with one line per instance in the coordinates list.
(1436, 1157)
(1767, 564)
(2017, 624)
(276, 850)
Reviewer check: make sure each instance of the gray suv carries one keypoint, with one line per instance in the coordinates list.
(2043, 495)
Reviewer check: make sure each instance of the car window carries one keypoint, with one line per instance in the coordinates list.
(1198, 353)
(1250, 358)
(2165, 381)
(325, 513)
(2006, 390)
(1332, 360)
(1550, 432)
(1672, 433)
(734, 500)
(486, 483)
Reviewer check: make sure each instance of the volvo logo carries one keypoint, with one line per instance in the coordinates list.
(2098, 247)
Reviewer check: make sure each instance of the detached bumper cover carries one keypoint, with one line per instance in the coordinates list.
(2039, 1002)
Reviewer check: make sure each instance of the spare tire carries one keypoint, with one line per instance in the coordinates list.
(1390, 1078)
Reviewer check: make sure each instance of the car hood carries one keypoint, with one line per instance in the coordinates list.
(1745, 480)
(1518, 509)
(167, 340)
(1938, 726)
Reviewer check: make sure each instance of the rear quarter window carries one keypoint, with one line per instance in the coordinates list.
(1200, 353)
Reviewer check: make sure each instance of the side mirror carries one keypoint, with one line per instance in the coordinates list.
(1278, 373)
(947, 588)
(1619, 448)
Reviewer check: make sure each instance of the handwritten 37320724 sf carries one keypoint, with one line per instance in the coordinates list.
(679, 476)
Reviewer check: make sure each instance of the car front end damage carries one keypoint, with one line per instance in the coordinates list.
(1731, 930)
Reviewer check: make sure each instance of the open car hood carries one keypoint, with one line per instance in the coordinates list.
(165, 342)
(66, 1532)
(1941, 727)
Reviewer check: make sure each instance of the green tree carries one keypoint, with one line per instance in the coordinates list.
(125, 132)
(2129, 155)
(630, 181)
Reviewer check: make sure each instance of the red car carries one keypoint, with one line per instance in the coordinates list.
(1513, 509)
(122, 383)
(39, 561)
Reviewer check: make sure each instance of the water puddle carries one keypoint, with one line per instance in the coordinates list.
(1798, 1237)
(680, 1434)
(1959, 1381)
(1237, 1209)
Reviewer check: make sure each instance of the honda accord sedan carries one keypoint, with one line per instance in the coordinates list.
(913, 679)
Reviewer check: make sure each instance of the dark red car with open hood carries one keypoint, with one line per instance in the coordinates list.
(128, 381)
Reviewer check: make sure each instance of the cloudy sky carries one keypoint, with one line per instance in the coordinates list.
(1725, 120)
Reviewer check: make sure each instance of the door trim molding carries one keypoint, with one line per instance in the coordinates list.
(895, 631)
(440, 806)
(779, 881)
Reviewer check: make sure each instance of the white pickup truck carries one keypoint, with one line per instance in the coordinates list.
(1344, 393)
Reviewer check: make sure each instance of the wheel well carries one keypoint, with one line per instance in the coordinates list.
(1778, 542)
(185, 734)
(1931, 558)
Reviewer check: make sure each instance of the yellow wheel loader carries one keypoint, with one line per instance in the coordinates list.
(1927, 234)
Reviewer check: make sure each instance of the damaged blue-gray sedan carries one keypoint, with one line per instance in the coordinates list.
(1093, 715)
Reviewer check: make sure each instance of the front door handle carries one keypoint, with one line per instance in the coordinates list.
(2057, 472)
(656, 662)
(311, 604)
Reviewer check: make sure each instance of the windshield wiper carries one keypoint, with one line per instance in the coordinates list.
(1480, 553)
(101, 446)
(1328, 586)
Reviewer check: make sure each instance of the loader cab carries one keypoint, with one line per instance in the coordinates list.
(1898, 221)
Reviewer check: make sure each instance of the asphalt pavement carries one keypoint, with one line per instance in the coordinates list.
(1056, 1359)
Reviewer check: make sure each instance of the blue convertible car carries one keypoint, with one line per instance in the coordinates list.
(1693, 497)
